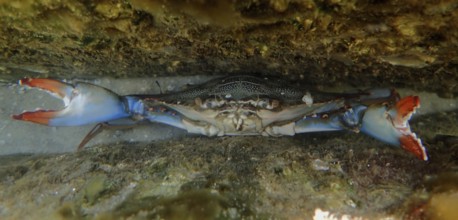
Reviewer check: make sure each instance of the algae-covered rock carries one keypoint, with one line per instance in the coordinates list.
(395, 42)
(233, 178)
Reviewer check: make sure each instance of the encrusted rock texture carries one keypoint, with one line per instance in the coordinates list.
(399, 43)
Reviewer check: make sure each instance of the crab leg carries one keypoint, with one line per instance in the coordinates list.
(84, 104)
(387, 124)
(88, 104)
(348, 120)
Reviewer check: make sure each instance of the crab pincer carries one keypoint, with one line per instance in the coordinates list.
(390, 124)
(84, 104)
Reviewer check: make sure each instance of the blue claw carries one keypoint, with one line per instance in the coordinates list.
(84, 104)
(387, 124)
(390, 125)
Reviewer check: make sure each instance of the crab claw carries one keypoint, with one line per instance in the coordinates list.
(390, 125)
(84, 104)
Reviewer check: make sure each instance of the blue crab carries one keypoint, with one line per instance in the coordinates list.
(237, 105)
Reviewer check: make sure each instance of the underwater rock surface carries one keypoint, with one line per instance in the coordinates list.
(368, 43)
(232, 178)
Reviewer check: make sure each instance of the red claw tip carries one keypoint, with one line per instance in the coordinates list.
(413, 145)
(24, 81)
(40, 117)
(17, 117)
(407, 105)
(51, 85)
